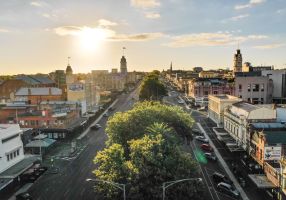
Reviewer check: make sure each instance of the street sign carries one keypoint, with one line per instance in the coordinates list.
(272, 153)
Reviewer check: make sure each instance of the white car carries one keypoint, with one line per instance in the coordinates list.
(202, 139)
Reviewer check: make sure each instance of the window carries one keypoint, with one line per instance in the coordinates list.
(255, 87)
(18, 152)
(248, 99)
(215, 92)
(8, 157)
(262, 87)
(262, 100)
(206, 93)
(240, 87)
(248, 87)
(14, 154)
(240, 96)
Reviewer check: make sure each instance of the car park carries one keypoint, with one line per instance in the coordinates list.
(221, 178)
(228, 189)
(210, 156)
(206, 147)
(202, 139)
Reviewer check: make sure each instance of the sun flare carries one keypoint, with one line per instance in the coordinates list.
(91, 38)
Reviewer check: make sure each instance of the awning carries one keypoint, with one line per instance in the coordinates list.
(4, 182)
(261, 181)
(46, 142)
(19, 168)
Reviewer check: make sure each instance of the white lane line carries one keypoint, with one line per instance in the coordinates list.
(201, 170)
(212, 184)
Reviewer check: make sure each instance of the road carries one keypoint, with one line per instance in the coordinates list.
(71, 183)
(206, 169)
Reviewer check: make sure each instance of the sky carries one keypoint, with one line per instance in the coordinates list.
(39, 36)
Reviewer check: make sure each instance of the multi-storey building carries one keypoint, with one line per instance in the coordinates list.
(237, 62)
(278, 77)
(240, 115)
(217, 104)
(253, 88)
(37, 95)
(201, 88)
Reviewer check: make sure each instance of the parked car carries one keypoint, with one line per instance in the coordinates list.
(210, 156)
(221, 178)
(202, 139)
(105, 115)
(24, 196)
(228, 189)
(95, 127)
(207, 147)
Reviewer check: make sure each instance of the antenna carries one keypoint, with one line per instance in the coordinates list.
(238, 44)
(123, 50)
(69, 60)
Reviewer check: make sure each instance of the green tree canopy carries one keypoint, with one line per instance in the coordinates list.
(123, 127)
(152, 88)
(143, 151)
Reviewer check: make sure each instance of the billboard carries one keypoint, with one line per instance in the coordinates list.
(272, 153)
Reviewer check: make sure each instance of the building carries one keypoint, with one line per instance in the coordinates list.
(123, 65)
(208, 74)
(217, 104)
(247, 67)
(11, 146)
(278, 78)
(237, 62)
(268, 142)
(9, 87)
(201, 88)
(197, 69)
(240, 115)
(253, 88)
(37, 95)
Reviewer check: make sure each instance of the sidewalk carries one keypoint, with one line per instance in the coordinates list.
(224, 165)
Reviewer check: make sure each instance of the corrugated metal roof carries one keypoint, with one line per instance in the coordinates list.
(275, 137)
(38, 91)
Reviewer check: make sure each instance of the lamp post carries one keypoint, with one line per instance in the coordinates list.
(170, 183)
(117, 185)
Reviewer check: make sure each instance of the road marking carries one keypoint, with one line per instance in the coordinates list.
(202, 170)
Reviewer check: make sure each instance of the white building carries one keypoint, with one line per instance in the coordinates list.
(11, 146)
(239, 116)
(217, 104)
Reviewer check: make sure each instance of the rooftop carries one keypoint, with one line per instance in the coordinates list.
(35, 79)
(268, 125)
(275, 137)
(245, 106)
(39, 91)
(224, 97)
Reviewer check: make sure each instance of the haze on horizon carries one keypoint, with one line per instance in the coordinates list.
(38, 36)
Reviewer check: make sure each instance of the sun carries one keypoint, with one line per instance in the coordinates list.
(91, 38)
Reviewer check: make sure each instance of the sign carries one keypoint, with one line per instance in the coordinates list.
(272, 153)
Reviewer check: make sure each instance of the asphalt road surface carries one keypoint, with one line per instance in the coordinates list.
(70, 183)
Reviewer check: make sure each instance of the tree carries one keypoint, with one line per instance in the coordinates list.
(143, 151)
(123, 127)
(152, 88)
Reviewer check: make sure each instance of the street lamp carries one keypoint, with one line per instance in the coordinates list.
(117, 185)
(170, 183)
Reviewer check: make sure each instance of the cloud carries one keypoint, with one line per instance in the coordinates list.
(106, 23)
(250, 4)
(210, 39)
(137, 37)
(269, 46)
(281, 11)
(36, 4)
(109, 34)
(3, 30)
(236, 18)
(145, 3)
(151, 15)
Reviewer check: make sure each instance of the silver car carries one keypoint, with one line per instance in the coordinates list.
(202, 139)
